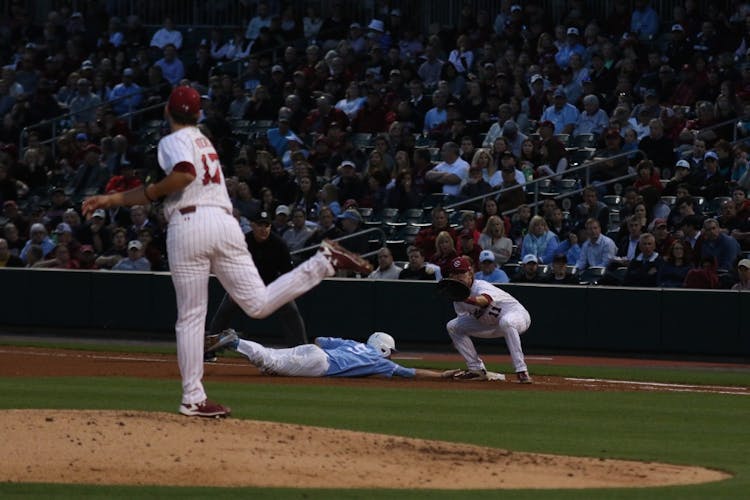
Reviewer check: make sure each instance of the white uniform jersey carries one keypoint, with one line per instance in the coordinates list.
(501, 302)
(185, 147)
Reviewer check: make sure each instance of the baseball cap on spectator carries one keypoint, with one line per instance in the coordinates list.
(277, 69)
(677, 27)
(135, 244)
(396, 12)
(515, 8)
(351, 202)
(87, 64)
(294, 138)
(561, 257)
(355, 26)
(80, 136)
(63, 227)
(262, 217)
(185, 100)
(651, 93)
(710, 154)
(559, 92)
(682, 164)
(76, 14)
(37, 228)
(656, 223)
(128, 72)
(99, 212)
(376, 25)
(572, 31)
(744, 263)
(86, 248)
(347, 163)
(351, 214)
(535, 78)
(282, 209)
(530, 258)
(486, 256)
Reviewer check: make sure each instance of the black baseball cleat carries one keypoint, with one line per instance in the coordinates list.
(471, 375)
(227, 338)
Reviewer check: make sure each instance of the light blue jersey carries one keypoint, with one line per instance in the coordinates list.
(348, 358)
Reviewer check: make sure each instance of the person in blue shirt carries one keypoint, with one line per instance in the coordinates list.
(488, 270)
(327, 357)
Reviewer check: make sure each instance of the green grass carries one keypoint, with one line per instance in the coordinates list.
(684, 428)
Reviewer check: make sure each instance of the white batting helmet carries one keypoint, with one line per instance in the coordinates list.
(382, 342)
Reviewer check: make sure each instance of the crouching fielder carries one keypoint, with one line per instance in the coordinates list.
(327, 357)
(488, 313)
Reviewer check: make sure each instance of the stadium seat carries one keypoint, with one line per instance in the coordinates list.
(591, 275)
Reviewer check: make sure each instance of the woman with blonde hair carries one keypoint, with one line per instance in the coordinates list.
(539, 241)
(445, 249)
(493, 238)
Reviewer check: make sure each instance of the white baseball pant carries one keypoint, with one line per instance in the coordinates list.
(307, 360)
(511, 324)
(210, 240)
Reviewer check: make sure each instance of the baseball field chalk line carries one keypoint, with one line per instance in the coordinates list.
(715, 389)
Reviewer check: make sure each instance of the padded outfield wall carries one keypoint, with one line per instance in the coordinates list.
(585, 318)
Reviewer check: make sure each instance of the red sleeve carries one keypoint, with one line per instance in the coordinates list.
(490, 299)
(186, 168)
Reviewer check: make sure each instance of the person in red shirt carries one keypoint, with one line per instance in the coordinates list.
(647, 176)
(126, 181)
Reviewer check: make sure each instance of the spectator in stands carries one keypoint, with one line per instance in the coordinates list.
(475, 186)
(488, 270)
(562, 114)
(515, 195)
(84, 103)
(452, 172)
(552, 153)
(560, 274)
(572, 45)
(445, 250)
(386, 269)
(681, 175)
(37, 236)
(643, 270)
(660, 231)
(12, 236)
(126, 96)
(171, 66)
(529, 272)
(658, 147)
(593, 119)
(678, 261)
(598, 250)
(167, 35)
(417, 268)
(648, 177)
(539, 241)
(403, 194)
(591, 207)
(743, 271)
(429, 70)
(7, 259)
(718, 245)
(297, 235)
(135, 261)
(90, 176)
(710, 184)
(61, 259)
(371, 117)
(116, 251)
(426, 237)
(703, 277)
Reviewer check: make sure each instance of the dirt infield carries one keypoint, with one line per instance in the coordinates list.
(119, 447)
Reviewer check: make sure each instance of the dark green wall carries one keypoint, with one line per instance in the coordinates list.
(573, 317)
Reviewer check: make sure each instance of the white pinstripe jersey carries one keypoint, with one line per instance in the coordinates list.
(189, 145)
(501, 302)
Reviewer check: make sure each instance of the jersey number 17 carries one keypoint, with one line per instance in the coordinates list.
(213, 159)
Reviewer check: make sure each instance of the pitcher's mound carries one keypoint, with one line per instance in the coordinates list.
(140, 448)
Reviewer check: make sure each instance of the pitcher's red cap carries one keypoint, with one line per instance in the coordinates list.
(185, 100)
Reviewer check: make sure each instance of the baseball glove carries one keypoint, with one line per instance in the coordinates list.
(452, 289)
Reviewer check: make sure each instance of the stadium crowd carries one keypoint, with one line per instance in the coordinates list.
(333, 124)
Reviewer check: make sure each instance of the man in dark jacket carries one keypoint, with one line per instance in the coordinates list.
(271, 257)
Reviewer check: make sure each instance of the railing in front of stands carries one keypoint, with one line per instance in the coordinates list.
(536, 184)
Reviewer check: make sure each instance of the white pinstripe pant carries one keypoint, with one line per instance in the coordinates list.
(511, 324)
(210, 240)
